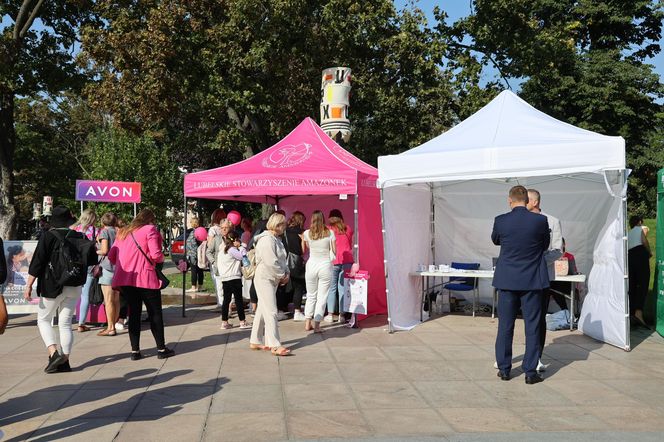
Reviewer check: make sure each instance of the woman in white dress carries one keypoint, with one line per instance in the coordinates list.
(318, 273)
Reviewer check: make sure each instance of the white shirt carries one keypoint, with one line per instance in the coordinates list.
(555, 246)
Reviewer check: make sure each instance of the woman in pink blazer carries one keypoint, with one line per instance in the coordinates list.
(135, 253)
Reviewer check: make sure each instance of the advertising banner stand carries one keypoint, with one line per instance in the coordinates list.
(105, 192)
(659, 255)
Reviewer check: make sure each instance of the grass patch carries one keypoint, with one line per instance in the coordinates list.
(208, 283)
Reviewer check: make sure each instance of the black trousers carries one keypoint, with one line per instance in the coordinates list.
(152, 300)
(232, 288)
(197, 274)
(297, 290)
(639, 277)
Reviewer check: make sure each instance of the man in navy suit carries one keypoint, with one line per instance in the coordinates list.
(520, 277)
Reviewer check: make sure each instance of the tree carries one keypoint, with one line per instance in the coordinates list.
(116, 155)
(32, 61)
(217, 82)
(583, 62)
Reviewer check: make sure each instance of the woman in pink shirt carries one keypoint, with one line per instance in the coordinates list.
(343, 262)
(135, 254)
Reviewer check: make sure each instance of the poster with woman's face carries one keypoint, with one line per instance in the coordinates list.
(18, 255)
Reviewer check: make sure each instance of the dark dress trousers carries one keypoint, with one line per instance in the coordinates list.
(520, 276)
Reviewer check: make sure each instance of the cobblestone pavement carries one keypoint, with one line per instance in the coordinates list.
(435, 382)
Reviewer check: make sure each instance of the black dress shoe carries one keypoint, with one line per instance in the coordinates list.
(165, 353)
(505, 376)
(53, 362)
(136, 355)
(534, 379)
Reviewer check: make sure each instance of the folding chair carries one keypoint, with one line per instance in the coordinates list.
(463, 283)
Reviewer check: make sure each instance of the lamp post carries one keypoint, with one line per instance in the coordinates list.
(183, 171)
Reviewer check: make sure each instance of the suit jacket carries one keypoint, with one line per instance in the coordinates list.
(523, 238)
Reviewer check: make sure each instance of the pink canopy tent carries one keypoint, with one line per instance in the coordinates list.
(306, 171)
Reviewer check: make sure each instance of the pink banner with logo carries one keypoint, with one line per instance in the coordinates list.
(108, 191)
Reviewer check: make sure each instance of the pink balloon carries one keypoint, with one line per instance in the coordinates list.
(200, 233)
(234, 217)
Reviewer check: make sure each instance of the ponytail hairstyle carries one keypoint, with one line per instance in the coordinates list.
(229, 239)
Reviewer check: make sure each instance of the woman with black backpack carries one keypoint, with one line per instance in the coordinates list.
(59, 264)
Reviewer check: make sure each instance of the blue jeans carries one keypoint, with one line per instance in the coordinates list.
(337, 287)
(85, 300)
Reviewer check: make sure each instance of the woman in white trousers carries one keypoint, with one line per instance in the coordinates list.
(318, 272)
(271, 272)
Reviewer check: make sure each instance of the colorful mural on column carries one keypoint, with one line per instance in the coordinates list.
(335, 101)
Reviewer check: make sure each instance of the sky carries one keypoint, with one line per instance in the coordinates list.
(457, 9)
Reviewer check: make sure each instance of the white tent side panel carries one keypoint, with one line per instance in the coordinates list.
(464, 214)
(408, 243)
(604, 312)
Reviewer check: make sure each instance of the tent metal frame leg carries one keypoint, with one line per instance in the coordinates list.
(623, 196)
(390, 329)
(184, 274)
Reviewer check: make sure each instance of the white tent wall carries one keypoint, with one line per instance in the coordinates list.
(605, 312)
(407, 224)
(464, 214)
(464, 211)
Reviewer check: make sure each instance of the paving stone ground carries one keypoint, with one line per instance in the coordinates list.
(434, 382)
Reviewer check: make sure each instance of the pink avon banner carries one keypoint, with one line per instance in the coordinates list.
(108, 191)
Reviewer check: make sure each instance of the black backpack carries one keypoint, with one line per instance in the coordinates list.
(68, 263)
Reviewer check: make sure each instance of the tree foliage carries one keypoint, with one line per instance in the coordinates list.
(584, 62)
(220, 81)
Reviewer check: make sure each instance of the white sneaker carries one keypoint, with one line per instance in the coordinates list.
(541, 367)
(298, 316)
(328, 318)
(495, 365)
(119, 326)
(281, 316)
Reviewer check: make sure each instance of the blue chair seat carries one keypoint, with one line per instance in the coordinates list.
(458, 287)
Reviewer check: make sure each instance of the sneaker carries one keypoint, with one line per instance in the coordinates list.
(328, 318)
(495, 365)
(119, 326)
(165, 353)
(540, 367)
(244, 325)
(298, 316)
(281, 316)
(226, 326)
(136, 355)
(64, 367)
(55, 360)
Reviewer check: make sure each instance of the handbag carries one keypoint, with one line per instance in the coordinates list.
(295, 262)
(160, 275)
(95, 294)
(97, 271)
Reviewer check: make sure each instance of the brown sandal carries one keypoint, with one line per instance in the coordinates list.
(281, 351)
(83, 328)
(258, 347)
(107, 332)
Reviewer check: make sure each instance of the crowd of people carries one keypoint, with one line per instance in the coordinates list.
(276, 262)
(279, 263)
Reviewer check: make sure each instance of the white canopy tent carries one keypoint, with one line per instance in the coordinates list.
(461, 179)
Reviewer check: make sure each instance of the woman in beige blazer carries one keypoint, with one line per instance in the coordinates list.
(271, 272)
